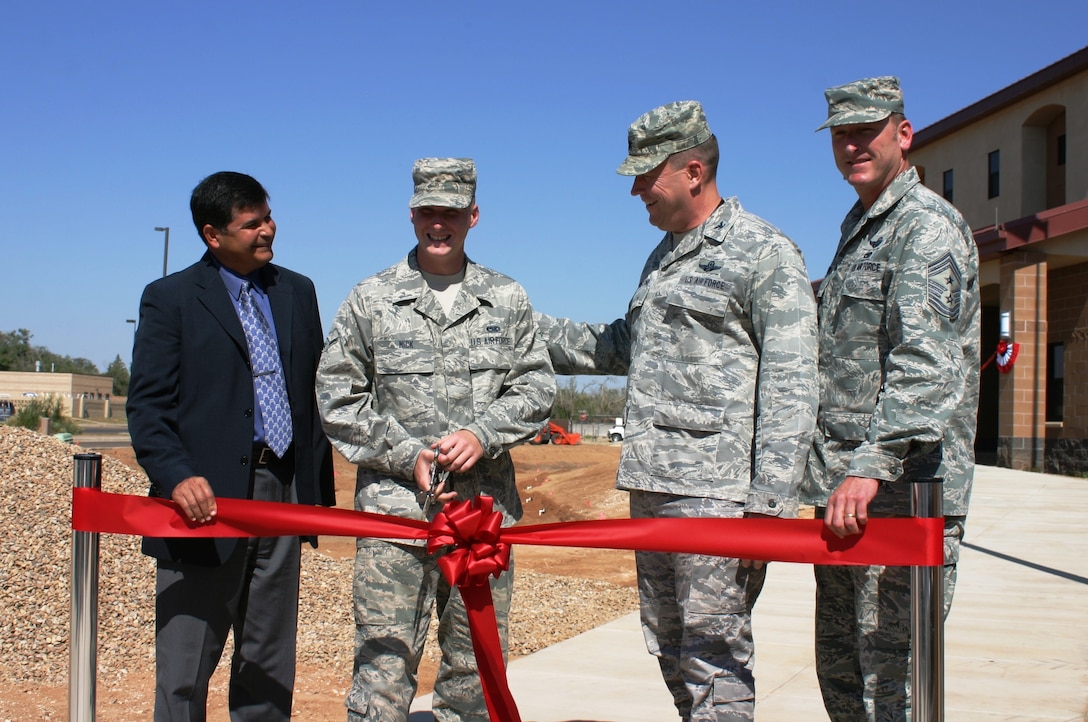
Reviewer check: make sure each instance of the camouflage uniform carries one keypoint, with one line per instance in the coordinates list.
(719, 349)
(397, 374)
(899, 365)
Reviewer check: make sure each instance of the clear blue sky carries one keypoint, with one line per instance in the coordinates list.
(112, 111)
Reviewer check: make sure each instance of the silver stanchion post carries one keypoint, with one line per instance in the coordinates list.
(83, 650)
(927, 618)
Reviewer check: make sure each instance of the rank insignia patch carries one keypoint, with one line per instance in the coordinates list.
(943, 287)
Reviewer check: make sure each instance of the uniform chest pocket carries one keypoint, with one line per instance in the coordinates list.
(488, 359)
(491, 338)
(860, 323)
(403, 354)
(865, 286)
(697, 316)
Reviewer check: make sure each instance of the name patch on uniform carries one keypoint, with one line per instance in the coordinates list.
(706, 282)
(491, 341)
(869, 267)
(943, 288)
(404, 343)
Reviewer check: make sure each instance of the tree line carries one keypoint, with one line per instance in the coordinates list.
(18, 354)
(594, 398)
(575, 396)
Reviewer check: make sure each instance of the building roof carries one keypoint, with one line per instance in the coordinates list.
(1050, 75)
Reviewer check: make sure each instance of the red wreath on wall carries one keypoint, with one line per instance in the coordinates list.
(1006, 354)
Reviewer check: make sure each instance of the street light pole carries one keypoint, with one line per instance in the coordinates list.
(165, 246)
(133, 322)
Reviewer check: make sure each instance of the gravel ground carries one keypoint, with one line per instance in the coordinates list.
(35, 572)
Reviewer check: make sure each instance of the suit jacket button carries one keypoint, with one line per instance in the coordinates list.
(245, 461)
(248, 413)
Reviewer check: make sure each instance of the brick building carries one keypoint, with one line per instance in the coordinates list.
(1016, 165)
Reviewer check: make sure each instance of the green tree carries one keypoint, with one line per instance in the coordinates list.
(119, 373)
(16, 353)
(596, 397)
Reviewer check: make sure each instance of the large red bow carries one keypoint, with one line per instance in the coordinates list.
(472, 528)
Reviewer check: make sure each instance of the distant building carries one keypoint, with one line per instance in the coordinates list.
(1016, 165)
(82, 396)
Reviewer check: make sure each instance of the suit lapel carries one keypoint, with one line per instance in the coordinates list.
(281, 299)
(214, 297)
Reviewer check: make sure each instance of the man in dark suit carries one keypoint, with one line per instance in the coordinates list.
(222, 404)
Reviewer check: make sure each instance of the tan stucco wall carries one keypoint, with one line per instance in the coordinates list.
(966, 152)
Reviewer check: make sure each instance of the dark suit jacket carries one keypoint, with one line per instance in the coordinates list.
(190, 404)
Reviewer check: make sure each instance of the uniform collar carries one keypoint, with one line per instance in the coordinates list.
(899, 187)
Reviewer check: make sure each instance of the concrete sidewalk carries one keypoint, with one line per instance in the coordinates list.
(1016, 642)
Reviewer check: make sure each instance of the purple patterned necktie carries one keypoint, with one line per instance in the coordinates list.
(268, 383)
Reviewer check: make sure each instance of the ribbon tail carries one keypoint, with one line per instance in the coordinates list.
(488, 649)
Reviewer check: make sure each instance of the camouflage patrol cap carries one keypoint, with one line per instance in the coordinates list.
(661, 132)
(444, 182)
(863, 101)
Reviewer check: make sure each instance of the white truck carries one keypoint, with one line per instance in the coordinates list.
(616, 432)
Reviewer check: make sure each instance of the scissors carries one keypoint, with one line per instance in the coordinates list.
(438, 477)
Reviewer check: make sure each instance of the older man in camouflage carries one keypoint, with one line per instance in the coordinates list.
(432, 370)
(899, 365)
(719, 347)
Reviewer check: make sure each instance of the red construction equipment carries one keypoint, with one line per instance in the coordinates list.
(556, 434)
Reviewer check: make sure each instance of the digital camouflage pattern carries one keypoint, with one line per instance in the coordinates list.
(443, 182)
(396, 375)
(714, 679)
(863, 630)
(719, 347)
(899, 321)
(396, 588)
(659, 133)
(899, 314)
(863, 101)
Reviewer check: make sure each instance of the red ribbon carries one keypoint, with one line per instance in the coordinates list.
(473, 529)
(478, 548)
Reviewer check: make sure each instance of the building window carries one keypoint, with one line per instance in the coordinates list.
(994, 184)
(946, 187)
(1055, 381)
(1061, 149)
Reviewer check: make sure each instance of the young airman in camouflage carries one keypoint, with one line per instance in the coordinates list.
(899, 365)
(432, 370)
(719, 349)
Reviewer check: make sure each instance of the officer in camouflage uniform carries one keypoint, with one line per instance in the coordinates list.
(719, 347)
(899, 365)
(432, 361)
